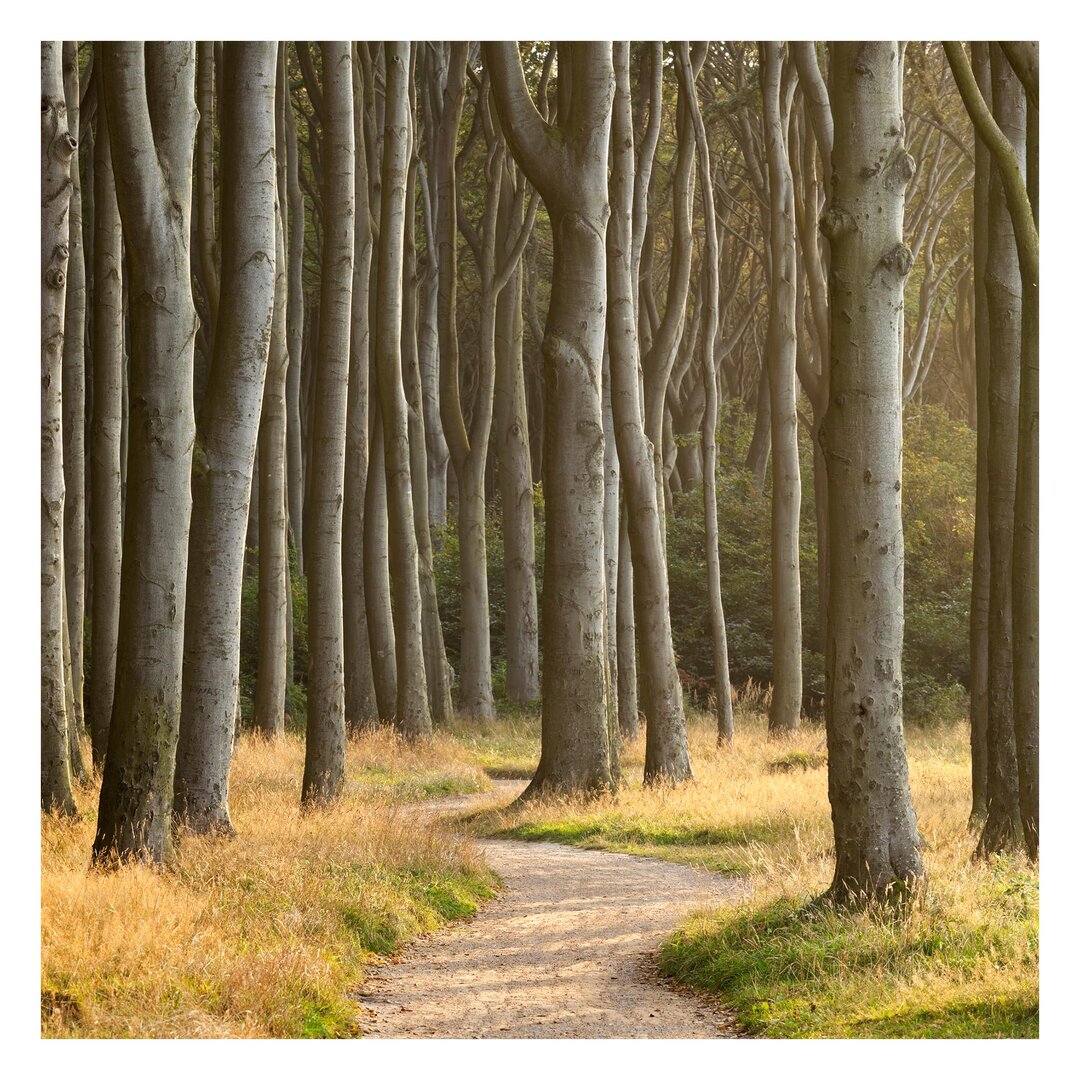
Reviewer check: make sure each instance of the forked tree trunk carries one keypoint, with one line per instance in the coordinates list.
(74, 409)
(877, 843)
(667, 757)
(412, 716)
(569, 169)
(226, 439)
(150, 100)
(108, 359)
(57, 147)
(324, 762)
(780, 350)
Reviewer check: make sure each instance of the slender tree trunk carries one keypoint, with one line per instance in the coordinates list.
(377, 574)
(108, 360)
(57, 148)
(611, 540)
(626, 635)
(757, 457)
(226, 439)
(209, 253)
(780, 349)
(667, 756)
(980, 568)
(74, 409)
(324, 764)
(570, 172)
(294, 324)
(516, 484)
(361, 708)
(271, 686)
(877, 843)
(150, 102)
(412, 715)
(1004, 295)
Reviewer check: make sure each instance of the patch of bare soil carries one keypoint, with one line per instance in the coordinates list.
(566, 951)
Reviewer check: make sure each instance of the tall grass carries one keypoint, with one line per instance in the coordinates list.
(265, 935)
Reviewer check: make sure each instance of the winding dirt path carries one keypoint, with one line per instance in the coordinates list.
(564, 951)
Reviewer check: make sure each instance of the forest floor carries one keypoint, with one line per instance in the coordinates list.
(566, 950)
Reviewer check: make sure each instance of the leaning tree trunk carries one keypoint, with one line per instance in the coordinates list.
(568, 166)
(227, 436)
(108, 360)
(150, 100)
(780, 351)
(324, 763)
(74, 407)
(361, 707)
(877, 843)
(667, 757)
(57, 147)
(412, 715)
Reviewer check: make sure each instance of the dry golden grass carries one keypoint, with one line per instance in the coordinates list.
(265, 935)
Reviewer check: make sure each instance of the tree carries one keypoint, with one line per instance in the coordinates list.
(567, 163)
(105, 431)
(57, 148)
(324, 762)
(150, 103)
(667, 756)
(877, 844)
(776, 93)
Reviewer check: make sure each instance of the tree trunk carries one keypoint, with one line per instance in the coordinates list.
(150, 94)
(74, 407)
(271, 686)
(626, 635)
(57, 147)
(108, 361)
(757, 457)
(611, 542)
(1004, 296)
(324, 763)
(667, 756)
(877, 843)
(361, 708)
(570, 172)
(228, 432)
(412, 715)
(786, 701)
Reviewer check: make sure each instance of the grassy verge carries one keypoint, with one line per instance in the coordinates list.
(962, 963)
(267, 935)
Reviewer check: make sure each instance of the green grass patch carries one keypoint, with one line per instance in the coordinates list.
(798, 970)
(796, 760)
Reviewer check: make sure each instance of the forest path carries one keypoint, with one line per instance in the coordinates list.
(563, 952)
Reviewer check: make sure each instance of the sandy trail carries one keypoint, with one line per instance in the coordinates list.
(564, 952)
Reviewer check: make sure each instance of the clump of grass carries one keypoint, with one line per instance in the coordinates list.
(961, 962)
(267, 935)
(505, 748)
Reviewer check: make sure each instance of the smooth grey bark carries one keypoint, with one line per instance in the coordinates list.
(626, 635)
(150, 103)
(980, 568)
(667, 758)
(877, 844)
(271, 685)
(361, 707)
(74, 409)
(226, 438)
(324, 761)
(786, 702)
(515, 478)
(294, 331)
(209, 252)
(436, 666)
(567, 164)
(611, 540)
(757, 456)
(377, 572)
(412, 717)
(57, 147)
(108, 367)
(718, 627)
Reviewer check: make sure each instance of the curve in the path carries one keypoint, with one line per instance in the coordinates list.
(564, 952)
